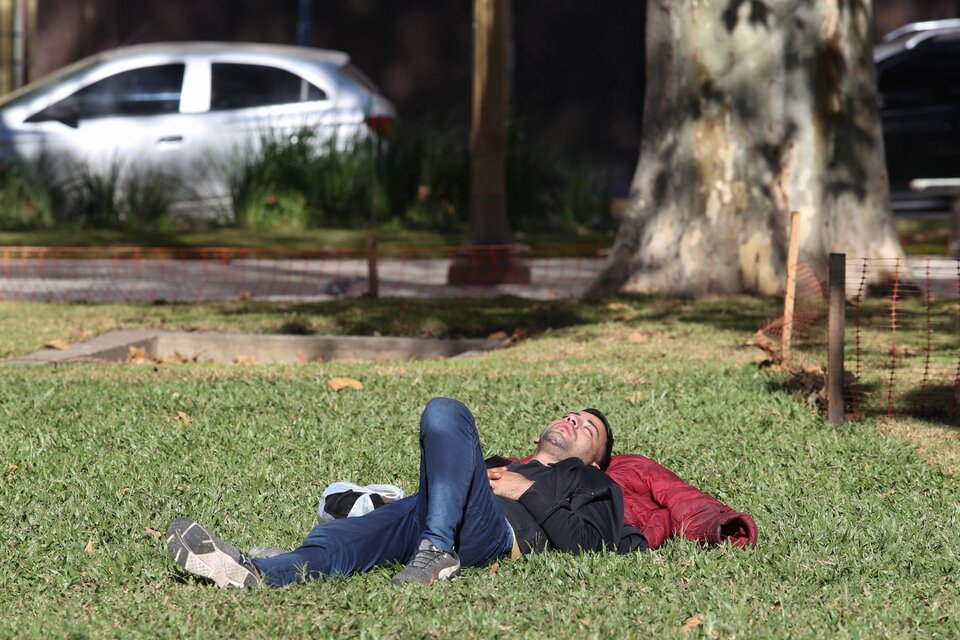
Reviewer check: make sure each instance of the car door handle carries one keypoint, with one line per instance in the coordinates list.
(164, 139)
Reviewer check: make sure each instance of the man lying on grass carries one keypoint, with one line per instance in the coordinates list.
(464, 513)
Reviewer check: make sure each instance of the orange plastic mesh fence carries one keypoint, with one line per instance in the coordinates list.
(90, 274)
(902, 354)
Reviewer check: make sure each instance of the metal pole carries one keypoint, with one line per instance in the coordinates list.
(373, 277)
(304, 23)
(19, 43)
(791, 293)
(835, 334)
(954, 247)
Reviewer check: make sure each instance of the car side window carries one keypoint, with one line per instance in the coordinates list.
(239, 86)
(146, 91)
(927, 76)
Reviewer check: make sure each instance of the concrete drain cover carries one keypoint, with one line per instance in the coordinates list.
(141, 345)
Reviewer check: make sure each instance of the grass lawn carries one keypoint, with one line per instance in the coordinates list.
(859, 526)
(919, 235)
(294, 239)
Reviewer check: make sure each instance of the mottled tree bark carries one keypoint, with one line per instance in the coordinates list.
(754, 108)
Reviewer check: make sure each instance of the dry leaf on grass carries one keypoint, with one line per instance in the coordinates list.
(245, 360)
(183, 417)
(59, 345)
(89, 547)
(178, 358)
(638, 336)
(150, 531)
(494, 568)
(137, 355)
(634, 398)
(336, 384)
(691, 623)
(619, 306)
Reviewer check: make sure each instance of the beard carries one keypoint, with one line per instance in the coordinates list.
(553, 439)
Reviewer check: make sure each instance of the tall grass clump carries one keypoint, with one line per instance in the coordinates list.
(115, 196)
(304, 180)
(26, 202)
(426, 170)
(45, 192)
(550, 187)
(418, 178)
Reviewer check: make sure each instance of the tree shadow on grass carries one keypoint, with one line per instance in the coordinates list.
(444, 318)
(737, 314)
(472, 317)
(939, 404)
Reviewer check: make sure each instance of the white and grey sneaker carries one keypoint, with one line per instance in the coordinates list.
(429, 564)
(201, 553)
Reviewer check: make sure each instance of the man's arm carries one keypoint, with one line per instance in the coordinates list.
(589, 520)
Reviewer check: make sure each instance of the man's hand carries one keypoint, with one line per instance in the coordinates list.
(507, 484)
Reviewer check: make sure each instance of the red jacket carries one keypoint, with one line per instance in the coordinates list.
(659, 503)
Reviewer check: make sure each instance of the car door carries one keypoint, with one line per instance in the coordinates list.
(250, 103)
(128, 121)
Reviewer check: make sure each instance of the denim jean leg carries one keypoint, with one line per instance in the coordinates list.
(457, 510)
(349, 545)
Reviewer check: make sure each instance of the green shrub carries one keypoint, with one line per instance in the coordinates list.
(427, 175)
(300, 181)
(147, 197)
(25, 200)
(345, 188)
(114, 197)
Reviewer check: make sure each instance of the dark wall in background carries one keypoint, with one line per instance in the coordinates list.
(577, 65)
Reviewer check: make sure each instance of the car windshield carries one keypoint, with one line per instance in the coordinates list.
(27, 92)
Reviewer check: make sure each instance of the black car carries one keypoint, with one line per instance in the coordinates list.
(918, 82)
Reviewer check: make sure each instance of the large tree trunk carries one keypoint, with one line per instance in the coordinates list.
(754, 108)
(499, 262)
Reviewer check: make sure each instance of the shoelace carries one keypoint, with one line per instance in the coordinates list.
(425, 557)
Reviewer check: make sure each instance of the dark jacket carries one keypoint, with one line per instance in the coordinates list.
(576, 506)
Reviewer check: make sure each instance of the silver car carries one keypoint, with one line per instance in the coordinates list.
(184, 107)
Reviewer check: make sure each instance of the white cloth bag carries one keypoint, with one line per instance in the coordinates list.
(364, 504)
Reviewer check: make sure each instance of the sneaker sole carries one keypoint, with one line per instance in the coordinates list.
(449, 573)
(201, 553)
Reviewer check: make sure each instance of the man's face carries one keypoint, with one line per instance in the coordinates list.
(578, 435)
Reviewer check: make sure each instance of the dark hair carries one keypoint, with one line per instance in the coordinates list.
(604, 461)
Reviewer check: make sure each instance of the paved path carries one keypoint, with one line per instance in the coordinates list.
(172, 280)
(107, 280)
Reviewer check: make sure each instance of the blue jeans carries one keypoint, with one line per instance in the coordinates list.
(455, 509)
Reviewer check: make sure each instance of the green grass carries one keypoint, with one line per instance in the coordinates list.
(924, 235)
(859, 537)
(278, 239)
(919, 237)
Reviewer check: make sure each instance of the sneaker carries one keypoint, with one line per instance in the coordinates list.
(201, 553)
(428, 565)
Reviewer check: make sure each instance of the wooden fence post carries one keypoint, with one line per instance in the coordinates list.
(786, 337)
(373, 278)
(835, 335)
